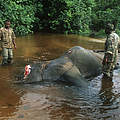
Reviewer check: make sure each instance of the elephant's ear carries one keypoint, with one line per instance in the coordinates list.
(57, 68)
(99, 56)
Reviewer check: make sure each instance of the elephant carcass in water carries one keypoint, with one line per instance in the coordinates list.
(75, 66)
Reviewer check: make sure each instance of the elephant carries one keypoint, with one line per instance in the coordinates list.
(77, 65)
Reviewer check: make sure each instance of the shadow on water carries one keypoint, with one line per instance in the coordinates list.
(9, 97)
(49, 101)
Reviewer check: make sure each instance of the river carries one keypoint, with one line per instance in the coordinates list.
(99, 101)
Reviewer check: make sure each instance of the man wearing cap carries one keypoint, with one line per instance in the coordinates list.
(111, 51)
(7, 39)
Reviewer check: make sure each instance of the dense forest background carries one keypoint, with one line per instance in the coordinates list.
(60, 16)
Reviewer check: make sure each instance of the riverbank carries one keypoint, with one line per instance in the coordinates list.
(101, 34)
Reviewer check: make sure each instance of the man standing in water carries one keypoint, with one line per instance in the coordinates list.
(111, 51)
(7, 39)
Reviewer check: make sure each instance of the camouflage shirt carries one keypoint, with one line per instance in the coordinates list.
(7, 37)
(111, 44)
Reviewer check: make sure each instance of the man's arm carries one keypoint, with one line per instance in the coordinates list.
(0, 35)
(119, 46)
(13, 39)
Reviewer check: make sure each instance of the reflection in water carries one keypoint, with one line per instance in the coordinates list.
(50, 46)
(9, 98)
(108, 98)
(51, 101)
(106, 93)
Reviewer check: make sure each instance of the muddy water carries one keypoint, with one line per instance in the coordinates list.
(99, 101)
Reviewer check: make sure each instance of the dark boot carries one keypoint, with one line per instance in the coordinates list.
(4, 62)
(10, 61)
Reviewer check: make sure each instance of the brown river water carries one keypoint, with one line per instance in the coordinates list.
(50, 101)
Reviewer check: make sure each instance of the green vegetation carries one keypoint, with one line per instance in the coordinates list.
(60, 16)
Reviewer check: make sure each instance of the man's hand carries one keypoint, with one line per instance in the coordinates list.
(14, 43)
(105, 61)
(15, 46)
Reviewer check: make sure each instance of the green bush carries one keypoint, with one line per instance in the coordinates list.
(105, 12)
(61, 16)
(21, 16)
(66, 16)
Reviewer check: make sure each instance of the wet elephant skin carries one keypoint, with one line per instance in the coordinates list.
(76, 65)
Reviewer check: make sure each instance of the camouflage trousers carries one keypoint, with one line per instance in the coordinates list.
(109, 63)
(7, 54)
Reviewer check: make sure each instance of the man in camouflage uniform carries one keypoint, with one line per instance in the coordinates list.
(7, 39)
(111, 50)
